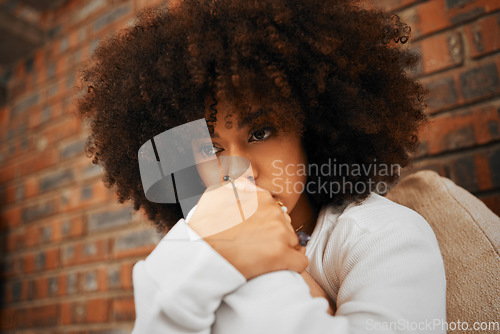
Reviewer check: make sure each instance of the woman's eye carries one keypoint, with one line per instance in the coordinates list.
(208, 150)
(261, 134)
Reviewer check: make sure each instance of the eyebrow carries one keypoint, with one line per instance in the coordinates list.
(245, 121)
(249, 118)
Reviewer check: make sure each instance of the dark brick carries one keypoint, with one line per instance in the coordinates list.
(86, 193)
(92, 170)
(137, 239)
(29, 65)
(43, 316)
(16, 290)
(114, 277)
(108, 219)
(63, 46)
(55, 180)
(46, 233)
(21, 129)
(10, 134)
(25, 104)
(70, 80)
(53, 90)
(465, 173)
(19, 195)
(479, 81)
(110, 331)
(111, 16)
(71, 283)
(90, 281)
(93, 45)
(494, 161)
(3, 293)
(463, 137)
(3, 95)
(493, 127)
(53, 286)
(441, 93)
(456, 3)
(65, 227)
(477, 38)
(31, 293)
(73, 149)
(6, 76)
(40, 260)
(89, 249)
(467, 16)
(69, 253)
(422, 149)
(46, 111)
(55, 31)
(51, 70)
(37, 211)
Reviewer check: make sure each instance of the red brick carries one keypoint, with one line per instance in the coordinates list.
(30, 187)
(450, 129)
(86, 252)
(38, 162)
(73, 227)
(126, 275)
(14, 241)
(52, 257)
(483, 36)
(42, 316)
(478, 81)
(29, 263)
(123, 309)
(7, 318)
(7, 173)
(441, 52)
(484, 174)
(42, 288)
(10, 217)
(65, 313)
(32, 236)
(68, 127)
(97, 310)
(433, 16)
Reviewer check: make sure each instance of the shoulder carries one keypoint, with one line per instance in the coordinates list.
(378, 217)
(377, 212)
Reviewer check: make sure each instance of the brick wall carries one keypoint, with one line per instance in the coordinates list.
(459, 41)
(68, 247)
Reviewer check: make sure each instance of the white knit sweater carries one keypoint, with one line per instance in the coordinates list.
(379, 261)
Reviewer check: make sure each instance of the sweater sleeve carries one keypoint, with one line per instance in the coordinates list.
(179, 286)
(390, 278)
(391, 272)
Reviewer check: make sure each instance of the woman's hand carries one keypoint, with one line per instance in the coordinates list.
(317, 291)
(262, 243)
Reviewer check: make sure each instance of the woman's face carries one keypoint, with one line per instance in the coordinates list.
(277, 158)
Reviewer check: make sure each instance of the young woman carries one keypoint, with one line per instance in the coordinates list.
(317, 97)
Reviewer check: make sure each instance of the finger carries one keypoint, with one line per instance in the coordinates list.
(298, 261)
(244, 184)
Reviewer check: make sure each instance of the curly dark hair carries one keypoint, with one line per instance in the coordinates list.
(341, 66)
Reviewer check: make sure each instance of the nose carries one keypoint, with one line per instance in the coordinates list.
(238, 164)
(236, 167)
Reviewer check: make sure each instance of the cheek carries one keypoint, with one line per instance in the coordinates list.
(209, 172)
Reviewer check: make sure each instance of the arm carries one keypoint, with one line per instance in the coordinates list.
(388, 276)
(180, 285)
